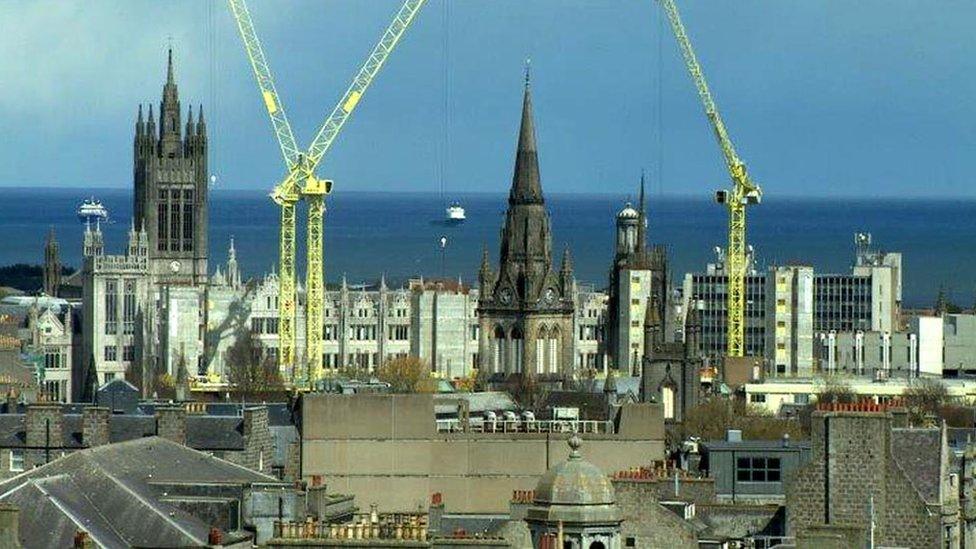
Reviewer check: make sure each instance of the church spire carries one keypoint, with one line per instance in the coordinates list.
(169, 113)
(526, 187)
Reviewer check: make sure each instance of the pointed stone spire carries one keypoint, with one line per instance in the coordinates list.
(201, 125)
(190, 129)
(526, 185)
(169, 67)
(140, 125)
(151, 125)
(567, 265)
(642, 219)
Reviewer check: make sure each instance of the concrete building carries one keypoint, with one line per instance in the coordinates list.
(774, 394)
(868, 299)
(592, 315)
(872, 483)
(959, 343)
(444, 318)
(789, 320)
(526, 309)
(388, 449)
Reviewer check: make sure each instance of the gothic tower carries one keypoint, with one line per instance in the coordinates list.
(526, 309)
(638, 276)
(170, 199)
(52, 265)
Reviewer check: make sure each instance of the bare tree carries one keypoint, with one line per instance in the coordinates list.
(249, 369)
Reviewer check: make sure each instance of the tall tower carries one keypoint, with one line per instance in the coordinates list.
(526, 310)
(638, 276)
(170, 199)
(52, 265)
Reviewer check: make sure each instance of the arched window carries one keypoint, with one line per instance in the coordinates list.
(668, 401)
(498, 350)
(554, 345)
(597, 545)
(517, 350)
(541, 353)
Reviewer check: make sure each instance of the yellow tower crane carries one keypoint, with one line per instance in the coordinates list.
(744, 192)
(301, 183)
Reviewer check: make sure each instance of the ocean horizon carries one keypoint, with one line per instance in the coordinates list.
(397, 234)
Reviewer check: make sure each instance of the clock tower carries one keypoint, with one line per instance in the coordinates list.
(170, 198)
(525, 310)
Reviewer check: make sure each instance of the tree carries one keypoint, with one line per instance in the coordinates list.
(927, 398)
(715, 415)
(406, 374)
(249, 369)
(835, 390)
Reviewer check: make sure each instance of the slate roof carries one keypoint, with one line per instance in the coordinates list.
(206, 432)
(106, 491)
(919, 453)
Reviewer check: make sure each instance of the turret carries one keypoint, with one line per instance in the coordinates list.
(233, 274)
(151, 126)
(693, 327)
(140, 124)
(652, 326)
(485, 276)
(566, 273)
(201, 125)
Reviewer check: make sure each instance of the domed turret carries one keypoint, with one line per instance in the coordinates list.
(576, 498)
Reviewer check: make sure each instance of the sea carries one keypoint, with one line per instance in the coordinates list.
(399, 235)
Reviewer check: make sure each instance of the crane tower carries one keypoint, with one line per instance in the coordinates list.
(301, 183)
(744, 191)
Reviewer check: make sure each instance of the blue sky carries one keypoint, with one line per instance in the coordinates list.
(823, 98)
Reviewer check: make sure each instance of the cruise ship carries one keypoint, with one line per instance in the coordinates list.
(92, 210)
(455, 213)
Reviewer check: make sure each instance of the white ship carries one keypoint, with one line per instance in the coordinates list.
(92, 210)
(455, 213)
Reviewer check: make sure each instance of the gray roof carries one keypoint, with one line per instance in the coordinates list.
(919, 453)
(108, 492)
(478, 403)
(756, 445)
(206, 432)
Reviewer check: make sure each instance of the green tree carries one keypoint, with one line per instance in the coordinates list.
(406, 374)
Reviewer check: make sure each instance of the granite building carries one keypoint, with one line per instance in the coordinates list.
(638, 276)
(170, 199)
(525, 310)
(671, 371)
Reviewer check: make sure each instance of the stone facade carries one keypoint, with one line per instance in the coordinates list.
(171, 179)
(862, 472)
(671, 371)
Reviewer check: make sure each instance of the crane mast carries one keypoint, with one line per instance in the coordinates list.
(300, 183)
(744, 191)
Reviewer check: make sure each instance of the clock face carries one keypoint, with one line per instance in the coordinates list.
(174, 266)
(506, 296)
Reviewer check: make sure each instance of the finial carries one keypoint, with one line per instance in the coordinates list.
(574, 445)
(528, 72)
(169, 62)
